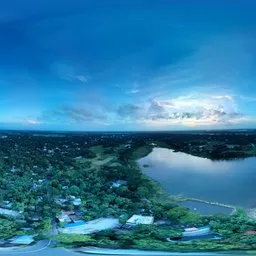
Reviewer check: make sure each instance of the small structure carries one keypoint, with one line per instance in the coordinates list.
(35, 217)
(65, 216)
(80, 227)
(139, 219)
(75, 224)
(24, 239)
(6, 204)
(196, 231)
(10, 213)
(77, 201)
(118, 183)
(250, 232)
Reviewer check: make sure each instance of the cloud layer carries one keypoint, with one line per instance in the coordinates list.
(196, 110)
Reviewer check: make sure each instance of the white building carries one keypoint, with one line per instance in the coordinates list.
(23, 239)
(10, 213)
(118, 183)
(64, 217)
(139, 219)
(77, 202)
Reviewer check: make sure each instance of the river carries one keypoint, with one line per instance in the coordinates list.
(228, 182)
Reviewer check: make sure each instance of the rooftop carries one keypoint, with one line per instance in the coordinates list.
(139, 219)
(23, 239)
(75, 224)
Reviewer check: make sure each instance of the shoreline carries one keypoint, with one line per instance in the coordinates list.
(177, 198)
(209, 202)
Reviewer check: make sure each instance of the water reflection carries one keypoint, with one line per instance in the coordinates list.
(230, 182)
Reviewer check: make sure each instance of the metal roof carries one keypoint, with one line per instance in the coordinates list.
(75, 224)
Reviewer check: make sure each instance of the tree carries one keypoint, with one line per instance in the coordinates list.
(176, 213)
(191, 218)
(74, 239)
(45, 224)
(8, 228)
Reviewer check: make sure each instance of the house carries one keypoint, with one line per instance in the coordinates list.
(81, 227)
(65, 216)
(23, 239)
(10, 213)
(35, 217)
(75, 224)
(196, 231)
(250, 232)
(6, 204)
(139, 219)
(118, 183)
(77, 201)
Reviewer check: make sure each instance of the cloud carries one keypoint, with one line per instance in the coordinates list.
(130, 111)
(220, 97)
(197, 110)
(32, 122)
(70, 114)
(80, 78)
(69, 72)
(133, 91)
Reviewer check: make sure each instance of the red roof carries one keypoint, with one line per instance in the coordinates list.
(250, 232)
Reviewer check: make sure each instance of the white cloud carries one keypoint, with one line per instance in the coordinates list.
(220, 97)
(80, 78)
(133, 91)
(192, 110)
(32, 122)
(69, 72)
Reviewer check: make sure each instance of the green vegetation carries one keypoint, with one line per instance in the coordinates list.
(73, 239)
(152, 237)
(8, 228)
(41, 176)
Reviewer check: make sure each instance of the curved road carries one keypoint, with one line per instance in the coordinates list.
(42, 248)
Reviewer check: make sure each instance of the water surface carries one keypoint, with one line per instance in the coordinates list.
(231, 182)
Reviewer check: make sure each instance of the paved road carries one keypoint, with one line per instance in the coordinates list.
(42, 249)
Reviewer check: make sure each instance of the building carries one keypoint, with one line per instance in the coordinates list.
(118, 183)
(10, 213)
(65, 216)
(24, 239)
(75, 224)
(250, 232)
(81, 227)
(196, 231)
(139, 219)
(77, 201)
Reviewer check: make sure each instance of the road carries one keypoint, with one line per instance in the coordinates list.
(42, 248)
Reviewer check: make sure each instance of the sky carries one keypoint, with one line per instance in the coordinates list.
(112, 65)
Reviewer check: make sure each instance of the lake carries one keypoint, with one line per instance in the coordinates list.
(229, 182)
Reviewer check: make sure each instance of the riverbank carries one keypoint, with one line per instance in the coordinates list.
(180, 198)
(102, 251)
(145, 151)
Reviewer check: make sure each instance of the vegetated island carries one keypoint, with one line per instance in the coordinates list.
(85, 189)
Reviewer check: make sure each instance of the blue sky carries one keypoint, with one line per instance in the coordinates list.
(127, 65)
